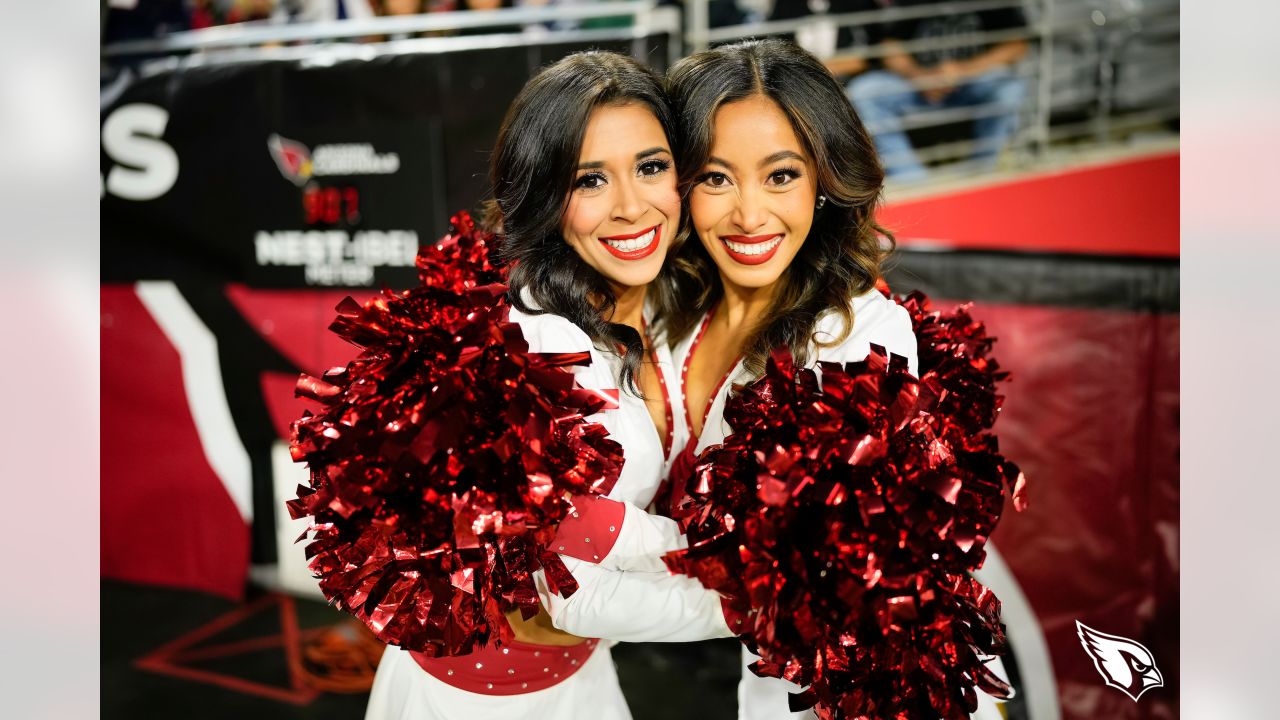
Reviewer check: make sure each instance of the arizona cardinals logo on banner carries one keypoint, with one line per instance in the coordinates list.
(292, 157)
(1125, 664)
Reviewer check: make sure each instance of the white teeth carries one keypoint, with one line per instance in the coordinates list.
(753, 248)
(634, 243)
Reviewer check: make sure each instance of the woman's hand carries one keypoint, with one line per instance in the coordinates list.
(538, 630)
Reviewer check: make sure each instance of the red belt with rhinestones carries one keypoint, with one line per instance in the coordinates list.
(514, 669)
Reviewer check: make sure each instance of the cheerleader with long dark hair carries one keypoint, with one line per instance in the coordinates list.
(586, 208)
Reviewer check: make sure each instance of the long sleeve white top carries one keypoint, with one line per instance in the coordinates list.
(626, 594)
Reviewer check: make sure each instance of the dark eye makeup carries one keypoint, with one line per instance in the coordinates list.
(713, 179)
(649, 168)
(590, 181)
(785, 175)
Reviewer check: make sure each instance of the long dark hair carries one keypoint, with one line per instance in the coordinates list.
(532, 174)
(841, 257)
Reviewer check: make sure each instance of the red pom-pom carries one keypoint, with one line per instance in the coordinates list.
(461, 260)
(444, 457)
(844, 514)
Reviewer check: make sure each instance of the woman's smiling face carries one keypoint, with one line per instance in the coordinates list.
(753, 204)
(623, 206)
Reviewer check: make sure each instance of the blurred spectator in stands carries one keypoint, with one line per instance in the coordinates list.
(251, 10)
(418, 7)
(484, 4)
(822, 37)
(405, 7)
(386, 8)
(205, 13)
(944, 67)
(305, 11)
(488, 5)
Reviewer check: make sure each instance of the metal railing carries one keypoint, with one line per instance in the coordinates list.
(266, 39)
(1102, 31)
(1075, 71)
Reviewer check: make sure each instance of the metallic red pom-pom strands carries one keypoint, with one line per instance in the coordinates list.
(444, 456)
(843, 515)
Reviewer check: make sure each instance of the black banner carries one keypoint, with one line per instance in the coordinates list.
(298, 175)
(284, 173)
(1135, 284)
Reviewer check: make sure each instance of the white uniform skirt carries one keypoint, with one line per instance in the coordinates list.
(402, 690)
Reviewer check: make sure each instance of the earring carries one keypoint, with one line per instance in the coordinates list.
(822, 200)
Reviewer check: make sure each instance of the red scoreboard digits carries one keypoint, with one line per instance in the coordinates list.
(331, 205)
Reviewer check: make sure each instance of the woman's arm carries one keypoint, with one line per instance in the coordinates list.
(644, 603)
(614, 551)
(617, 535)
(630, 606)
(877, 320)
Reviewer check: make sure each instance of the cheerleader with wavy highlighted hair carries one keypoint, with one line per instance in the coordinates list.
(782, 183)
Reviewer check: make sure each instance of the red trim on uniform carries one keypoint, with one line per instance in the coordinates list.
(711, 399)
(676, 482)
(673, 487)
(669, 436)
(684, 379)
(684, 374)
(514, 669)
(590, 531)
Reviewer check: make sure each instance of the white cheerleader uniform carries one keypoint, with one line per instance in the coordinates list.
(877, 320)
(611, 547)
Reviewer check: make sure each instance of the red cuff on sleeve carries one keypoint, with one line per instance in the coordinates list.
(591, 529)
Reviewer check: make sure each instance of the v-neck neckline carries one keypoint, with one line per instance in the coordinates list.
(667, 439)
(684, 380)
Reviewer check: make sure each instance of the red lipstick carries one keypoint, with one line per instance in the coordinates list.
(637, 253)
(752, 256)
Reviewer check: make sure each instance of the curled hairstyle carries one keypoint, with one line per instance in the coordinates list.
(841, 257)
(532, 173)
